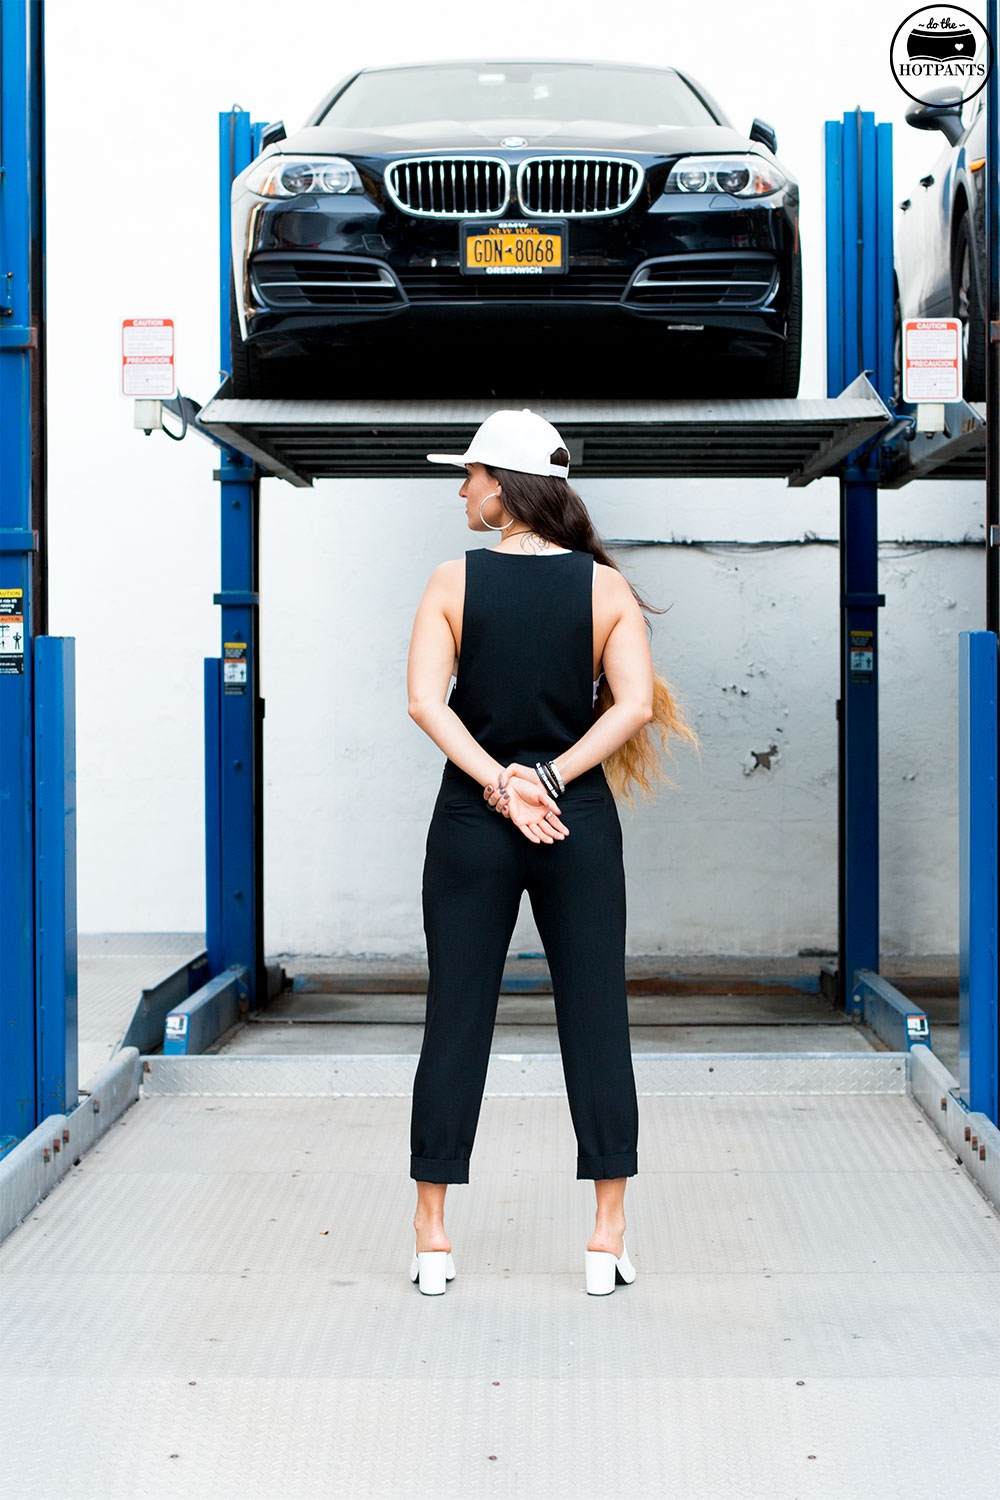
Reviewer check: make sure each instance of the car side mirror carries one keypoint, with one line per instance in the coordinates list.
(761, 131)
(941, 110)
(272, 134)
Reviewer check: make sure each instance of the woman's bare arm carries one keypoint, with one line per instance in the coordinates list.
(432, 654)
(428, 674)
(429, 671)
(628, 667)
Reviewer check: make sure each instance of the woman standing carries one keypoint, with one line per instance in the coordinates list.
(527, 626)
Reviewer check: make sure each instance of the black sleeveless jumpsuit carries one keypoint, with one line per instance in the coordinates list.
(525, 692)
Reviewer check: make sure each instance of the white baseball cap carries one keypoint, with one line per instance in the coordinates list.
(519, 440)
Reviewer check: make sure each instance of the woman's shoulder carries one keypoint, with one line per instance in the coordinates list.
(448, 577)
(613, 596)
(610, 581)
(453, 568)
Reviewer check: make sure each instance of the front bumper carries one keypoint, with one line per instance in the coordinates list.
(315, 274)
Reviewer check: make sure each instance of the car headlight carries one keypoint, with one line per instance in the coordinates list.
(288, 176)
(743, 176)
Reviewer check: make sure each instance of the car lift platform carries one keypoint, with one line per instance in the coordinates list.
(958, 452)
(797, 440)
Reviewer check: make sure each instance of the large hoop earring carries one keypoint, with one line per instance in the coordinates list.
(488, 524)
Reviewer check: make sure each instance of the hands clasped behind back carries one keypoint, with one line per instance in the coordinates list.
(520, 796)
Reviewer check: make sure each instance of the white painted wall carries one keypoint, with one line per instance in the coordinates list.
(727, 862)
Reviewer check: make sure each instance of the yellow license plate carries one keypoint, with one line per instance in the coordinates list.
(513, 249)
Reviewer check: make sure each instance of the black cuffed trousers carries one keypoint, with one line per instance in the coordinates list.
(477, 865)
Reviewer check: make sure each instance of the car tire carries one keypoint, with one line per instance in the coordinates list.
(245, 377)
(967, 302)
(780, 375)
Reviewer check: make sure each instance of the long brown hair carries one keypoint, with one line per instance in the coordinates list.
(554, 511)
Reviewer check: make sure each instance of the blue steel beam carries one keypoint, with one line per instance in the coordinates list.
(195, 1023)
(858, 938)
(885, 279)
(22, 605)
(234, 874)
(55, 875)
(977, 871)
(836, 365)
(859, 296)
(992, 317)
(213, 815)
(240, 936)
(847, 306)
(991, 331)
(897, 1021)
(862, 126)
(236, 151)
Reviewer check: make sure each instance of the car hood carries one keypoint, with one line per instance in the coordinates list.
(486, 135)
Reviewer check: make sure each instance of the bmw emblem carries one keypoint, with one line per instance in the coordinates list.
(513, 142)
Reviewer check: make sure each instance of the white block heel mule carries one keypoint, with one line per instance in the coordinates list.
(605, 1271)
(432, 1269)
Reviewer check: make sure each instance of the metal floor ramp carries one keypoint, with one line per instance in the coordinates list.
(214, 1303)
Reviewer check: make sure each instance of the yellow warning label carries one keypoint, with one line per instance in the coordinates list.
(11, 632)
(234, 666)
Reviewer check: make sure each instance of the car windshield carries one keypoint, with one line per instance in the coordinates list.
(649, 99)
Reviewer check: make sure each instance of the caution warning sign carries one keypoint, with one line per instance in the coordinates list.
(862, 663)
(234, 666)
(148, 357)
(11, 631)
(932, 359)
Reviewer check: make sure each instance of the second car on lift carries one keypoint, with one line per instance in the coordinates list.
(528, 227)
(940, 232)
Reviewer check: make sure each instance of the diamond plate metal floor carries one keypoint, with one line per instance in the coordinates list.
(214, 1304)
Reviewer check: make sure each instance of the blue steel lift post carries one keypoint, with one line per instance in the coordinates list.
(859, 332)
(979, 693)
(977, 874)
(993, 326)
(233, 706)
(38, 977)
(979, 772)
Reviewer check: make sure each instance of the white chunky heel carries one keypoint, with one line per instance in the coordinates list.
(605, 1270)
(432, 1270)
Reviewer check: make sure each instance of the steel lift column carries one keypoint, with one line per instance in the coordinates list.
(993, 326)
(859, 333)
(38, 995)
(979, 742)
(233, 708)
(977, 872)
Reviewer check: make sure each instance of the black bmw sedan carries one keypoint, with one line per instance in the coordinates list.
(538, 227)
